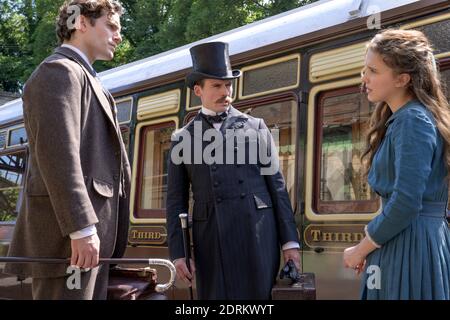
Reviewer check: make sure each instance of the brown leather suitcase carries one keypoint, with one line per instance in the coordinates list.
(304, 289)
(133, 284)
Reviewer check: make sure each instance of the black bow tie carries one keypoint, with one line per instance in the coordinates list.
(217, 118)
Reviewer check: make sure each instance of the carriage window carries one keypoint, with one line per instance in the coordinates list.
(437, 33)
(155, 145)
(12, 169)
(340, 182)
(124, 111)
(17, 137)
(268, 77)
(282, 116)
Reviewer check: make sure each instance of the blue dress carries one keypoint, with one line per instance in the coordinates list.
(408, 172)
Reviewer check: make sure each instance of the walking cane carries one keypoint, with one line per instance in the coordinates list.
(160, 262)
(187, 245)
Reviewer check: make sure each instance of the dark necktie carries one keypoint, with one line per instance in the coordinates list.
(217, 118)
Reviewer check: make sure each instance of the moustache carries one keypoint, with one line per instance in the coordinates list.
(224, 99)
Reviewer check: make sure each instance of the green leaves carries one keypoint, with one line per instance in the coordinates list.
(149, 27)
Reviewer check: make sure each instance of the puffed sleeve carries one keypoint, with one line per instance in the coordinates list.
(413, 139)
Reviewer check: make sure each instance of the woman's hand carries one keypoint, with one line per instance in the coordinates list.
(354, 259)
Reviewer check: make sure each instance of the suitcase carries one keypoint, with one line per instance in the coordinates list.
(304, 289)
(133, 284)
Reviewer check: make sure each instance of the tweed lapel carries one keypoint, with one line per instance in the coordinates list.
(95, 84)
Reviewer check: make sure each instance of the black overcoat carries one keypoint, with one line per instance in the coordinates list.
(240, 216)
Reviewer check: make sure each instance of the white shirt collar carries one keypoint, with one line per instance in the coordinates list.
(80, 53)
(210, 112)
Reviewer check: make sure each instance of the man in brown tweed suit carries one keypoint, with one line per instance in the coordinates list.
(76, 190)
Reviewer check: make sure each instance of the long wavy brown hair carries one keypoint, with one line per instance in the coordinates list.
(409, 51)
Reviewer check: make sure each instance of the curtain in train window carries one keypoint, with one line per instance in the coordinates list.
(12, 169)
(344, 122)
(282, 116)
(153, 176)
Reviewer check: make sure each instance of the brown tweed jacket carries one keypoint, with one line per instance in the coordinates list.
(77, 163)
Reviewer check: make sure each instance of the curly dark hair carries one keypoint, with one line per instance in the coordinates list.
(92, 9)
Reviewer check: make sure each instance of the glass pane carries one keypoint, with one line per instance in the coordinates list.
(283, 116)
(17, 137)
(438, 33)
(154, 177)
(275, 76)
(12, 168)
(124, 111)
(344, 124)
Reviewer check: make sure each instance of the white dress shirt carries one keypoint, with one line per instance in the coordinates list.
(217, 125)
(208, 112)
(89, 230)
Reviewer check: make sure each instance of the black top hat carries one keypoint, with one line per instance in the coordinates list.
(210, 61)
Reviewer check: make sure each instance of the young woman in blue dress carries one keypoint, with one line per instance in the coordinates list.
(406, 251)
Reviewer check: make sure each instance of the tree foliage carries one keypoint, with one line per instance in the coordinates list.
(27, 29)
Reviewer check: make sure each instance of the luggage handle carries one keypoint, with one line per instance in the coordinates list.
(161, 262)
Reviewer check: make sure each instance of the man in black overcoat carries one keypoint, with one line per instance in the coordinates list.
(242, 215)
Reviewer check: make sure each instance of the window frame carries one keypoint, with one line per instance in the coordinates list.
(444, 65)
(311, 152)
(319, 205)
(268, 63)
(137, 172)
(428, 21)
(8, 145)
(125, 99)
(22, 183)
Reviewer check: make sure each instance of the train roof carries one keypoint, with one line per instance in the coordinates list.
(11, 111)
(279, 28)
(287, 25)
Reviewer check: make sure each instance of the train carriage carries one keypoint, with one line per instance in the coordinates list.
(301, 73)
